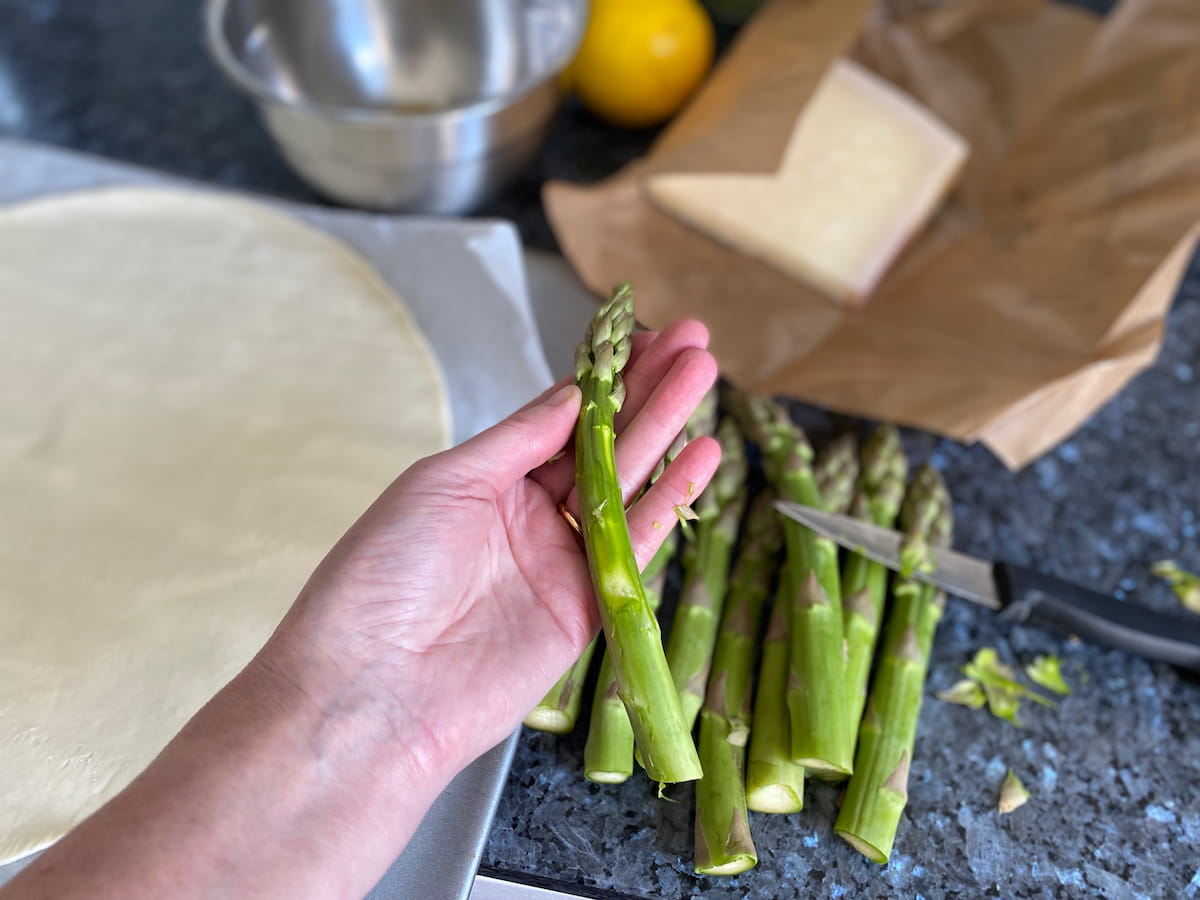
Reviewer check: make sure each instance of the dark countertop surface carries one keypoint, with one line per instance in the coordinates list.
(1113, 771)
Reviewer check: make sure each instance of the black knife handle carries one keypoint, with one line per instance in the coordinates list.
(1050, 602)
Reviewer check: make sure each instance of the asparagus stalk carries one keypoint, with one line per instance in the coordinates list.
(884, 468)
(608, 753)
(822, 733)
(724, 845)
(774, 783)
(631, 631)
(558, 711)
(878, 789)
(706, 573)
(836, 470)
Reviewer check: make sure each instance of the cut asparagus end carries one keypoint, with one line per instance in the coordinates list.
(867, 849)
(555, 721)
(734, 866)
(822, 770)
(776, 798)
(602, 777)
(558, 711)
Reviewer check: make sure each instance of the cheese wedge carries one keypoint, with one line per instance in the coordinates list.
(863, 171)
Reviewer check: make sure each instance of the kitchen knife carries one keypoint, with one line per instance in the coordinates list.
(1021, 594)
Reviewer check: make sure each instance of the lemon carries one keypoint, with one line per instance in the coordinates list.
(640, 60)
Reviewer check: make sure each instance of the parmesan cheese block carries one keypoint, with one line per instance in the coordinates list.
(864, 169)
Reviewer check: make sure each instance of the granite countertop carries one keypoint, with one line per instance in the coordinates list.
(1113, 770)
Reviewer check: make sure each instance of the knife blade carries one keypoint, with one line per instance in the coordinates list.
(1021, 594)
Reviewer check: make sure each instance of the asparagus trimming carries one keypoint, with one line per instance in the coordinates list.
(878, 790)
(724, 845)
(884, 469)
(822, 733)
(631, 631)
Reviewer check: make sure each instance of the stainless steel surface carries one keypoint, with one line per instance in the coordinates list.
(956, 573)
(408, 105)
(464, 282)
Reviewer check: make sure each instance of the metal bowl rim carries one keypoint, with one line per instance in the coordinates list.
(228, 62)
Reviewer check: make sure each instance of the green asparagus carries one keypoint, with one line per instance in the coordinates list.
(884, 468)
(558, 711)
(706, 572)
(631, 631)
(836, 472)
(822, 732)
(608, 753)
(774, 782)
(723, 842)
(878, 790)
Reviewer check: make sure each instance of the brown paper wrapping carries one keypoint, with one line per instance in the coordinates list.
(1038, 290)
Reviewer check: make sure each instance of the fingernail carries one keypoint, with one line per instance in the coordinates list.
(563, 396)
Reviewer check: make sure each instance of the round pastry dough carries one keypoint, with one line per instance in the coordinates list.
(197, 397)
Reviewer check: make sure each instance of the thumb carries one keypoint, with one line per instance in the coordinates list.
(513, 447)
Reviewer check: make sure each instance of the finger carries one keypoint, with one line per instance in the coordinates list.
(641, 378)
(653, 516)
(642, 445)
(513, 447)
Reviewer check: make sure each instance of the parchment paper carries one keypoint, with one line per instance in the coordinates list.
(1040, 288)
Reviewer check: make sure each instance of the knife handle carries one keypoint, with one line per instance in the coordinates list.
(1047, 601)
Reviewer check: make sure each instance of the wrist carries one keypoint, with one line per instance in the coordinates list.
(341, 717)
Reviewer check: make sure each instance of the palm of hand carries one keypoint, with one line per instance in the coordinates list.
(462, 594)
(453, 580)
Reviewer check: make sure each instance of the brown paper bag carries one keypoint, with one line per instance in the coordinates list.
(1040, 288)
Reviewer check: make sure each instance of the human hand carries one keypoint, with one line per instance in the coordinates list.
(421, 641)
(462, 594)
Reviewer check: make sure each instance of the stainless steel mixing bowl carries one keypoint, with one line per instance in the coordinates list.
(407, 105)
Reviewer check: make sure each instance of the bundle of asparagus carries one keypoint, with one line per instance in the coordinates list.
(818, 651)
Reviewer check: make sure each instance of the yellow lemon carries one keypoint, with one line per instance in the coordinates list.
(640, 60)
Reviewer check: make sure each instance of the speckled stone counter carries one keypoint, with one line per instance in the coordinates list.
(1114, 771)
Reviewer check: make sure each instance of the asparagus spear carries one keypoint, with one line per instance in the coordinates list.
(723, 842)
(631, 632)
(608, 753)
(706, 573)
(884, 468)
(558, 711)
(822, 733)
(836, 471)
(878, 789)
(774, 783)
